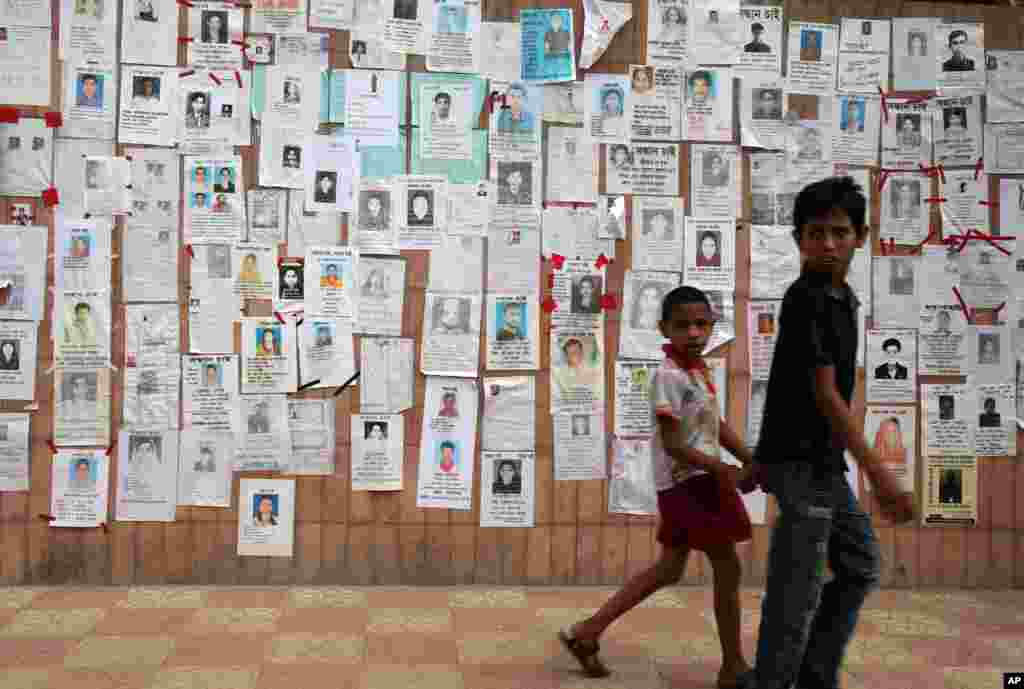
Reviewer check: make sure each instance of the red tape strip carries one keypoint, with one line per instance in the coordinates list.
(215, 79)
(50, 197)
(54, 120)
(9, 115)
(238, 79)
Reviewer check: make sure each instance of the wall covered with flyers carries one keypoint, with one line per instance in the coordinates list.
(367, 292)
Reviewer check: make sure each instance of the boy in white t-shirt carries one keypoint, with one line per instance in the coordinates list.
(698, 503)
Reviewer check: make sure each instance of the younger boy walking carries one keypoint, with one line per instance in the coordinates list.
(805, 622)
(697, 499)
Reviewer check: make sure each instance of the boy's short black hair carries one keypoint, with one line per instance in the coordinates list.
(892, 342)
(682, 295)
(820, 197)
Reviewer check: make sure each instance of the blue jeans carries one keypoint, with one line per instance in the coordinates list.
(806, 623)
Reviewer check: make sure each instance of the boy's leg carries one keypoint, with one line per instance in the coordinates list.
(726, 565)
(796, 564)
(665, 572)
(854, 557)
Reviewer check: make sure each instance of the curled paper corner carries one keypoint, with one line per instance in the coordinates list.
(1020, 423)
(35, 407)
(601, 22)
(4, 284)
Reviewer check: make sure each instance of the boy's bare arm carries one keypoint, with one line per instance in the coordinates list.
(728, 439)
(675, 445)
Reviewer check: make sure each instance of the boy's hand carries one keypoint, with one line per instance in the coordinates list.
(728, 472)
(897, 505)
(748, 479)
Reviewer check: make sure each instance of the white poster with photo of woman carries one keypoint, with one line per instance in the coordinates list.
(711, 254)
(892, 432)
(266, 517)
(268, 356)
(643, 292)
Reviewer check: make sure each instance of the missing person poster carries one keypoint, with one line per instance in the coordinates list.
(147, 476)
(311, 430)
(209, 386)
(996, 435)
(577, 370)
(451, 347)
(266, 517)
(633, 397)
(268, 356)
(950, 491)
(79, 481)
(205, 469)
(513, 329)
(507, 489)
(327, 352)
(378, 451)
(263, 444)
(14, 452)
(948, 416)
(18, 356)
(548, 52)
(330, 281)
(639, 337)
(891, 365)
(510, 413)
(581, 453)
(891, 431)
(448, 444)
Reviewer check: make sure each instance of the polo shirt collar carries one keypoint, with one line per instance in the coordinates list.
(844, 294)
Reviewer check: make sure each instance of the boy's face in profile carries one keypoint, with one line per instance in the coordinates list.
(827, 243)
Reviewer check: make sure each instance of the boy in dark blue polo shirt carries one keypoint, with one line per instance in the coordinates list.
(805, 622)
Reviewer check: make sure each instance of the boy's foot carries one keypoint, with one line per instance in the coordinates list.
(585, 652)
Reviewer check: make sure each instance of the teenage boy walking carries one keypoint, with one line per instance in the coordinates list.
(805, 622)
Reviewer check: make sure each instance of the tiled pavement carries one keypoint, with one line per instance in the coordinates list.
(468, 638)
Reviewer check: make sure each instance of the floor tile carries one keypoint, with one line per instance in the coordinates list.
(121, 652)
(17, 597)
(484, 620)
(384, 597)
(328, 597)
(324, 620)
(205, 678)
(235, 620)
(256, 597)
(145, 598)
(311, 676)
(219, 650)
(102, 679)
(18, 678)
(425, 677)
(407, 648)
(145, 621)
(972, 678)
(53, 623)
(309, 648)
(506, 648)
(391, 620)
(488, 598)
(25, 653)
(511, 676)
(59, 598)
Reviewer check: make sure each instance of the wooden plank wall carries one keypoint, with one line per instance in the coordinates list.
(362, 538)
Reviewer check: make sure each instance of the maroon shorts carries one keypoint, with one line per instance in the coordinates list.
(700, 513)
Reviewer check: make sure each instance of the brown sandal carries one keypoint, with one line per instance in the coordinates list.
(585, 652)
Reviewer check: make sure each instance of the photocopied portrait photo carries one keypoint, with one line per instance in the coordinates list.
(901, 277)
(810, 45)
(713, 167)
(375, 430)
(10, 358)
(218, 261)
(586, 294)
(215, 26)
(420, 211)
(325, 188)
(265, 510)
(89, 91)
(144, 450)
(268, 341)
(374, 210)
(450, 316)
(515, 183)
(78, 392)
(701, 89)
(448, 456)
(197, 110)
(580, 425)
(958, 60)
(510, 321)
(988, 349)
(332, 275)
(645, 311)
(657, 224)
(851, 110)
(212, 375)
(290, 281)
(767, 104)
(145, 91)
(905, 199)
(508, 477)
